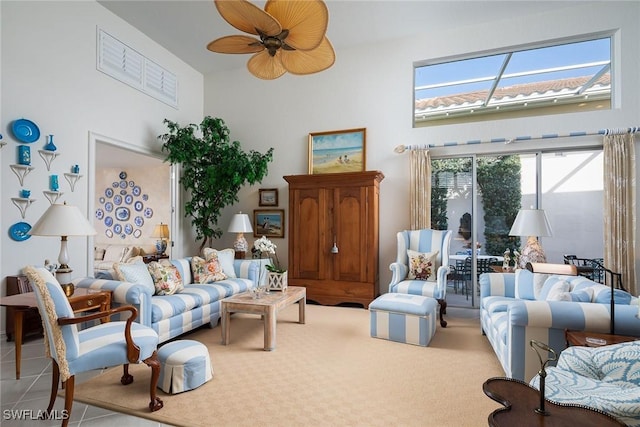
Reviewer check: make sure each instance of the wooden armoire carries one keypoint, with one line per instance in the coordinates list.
(333, 236)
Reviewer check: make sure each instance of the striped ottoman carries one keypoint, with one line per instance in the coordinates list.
(403, 318)
(185, 365)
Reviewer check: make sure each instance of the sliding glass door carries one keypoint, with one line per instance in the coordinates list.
(478, 198)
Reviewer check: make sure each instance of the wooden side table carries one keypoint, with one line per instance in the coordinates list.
(595, 339)
(82, 300)
(520, 402)
(154, 257)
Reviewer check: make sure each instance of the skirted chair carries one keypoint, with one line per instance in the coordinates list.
(422, 265)
(74, 351)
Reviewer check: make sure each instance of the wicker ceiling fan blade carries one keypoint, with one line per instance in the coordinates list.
(248, 17)
(265, 66)
(235, 44)
(306, 21)
(310, 61)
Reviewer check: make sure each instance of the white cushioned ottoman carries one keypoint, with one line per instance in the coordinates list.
(185, 365)
(403, 318)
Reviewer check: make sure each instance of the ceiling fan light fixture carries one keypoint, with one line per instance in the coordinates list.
(292, 36)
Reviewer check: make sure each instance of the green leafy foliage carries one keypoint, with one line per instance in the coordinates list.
(214, 169)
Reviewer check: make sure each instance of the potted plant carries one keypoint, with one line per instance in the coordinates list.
(276, 274)
(214, 168)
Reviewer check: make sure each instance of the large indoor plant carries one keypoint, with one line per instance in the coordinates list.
(214, 168)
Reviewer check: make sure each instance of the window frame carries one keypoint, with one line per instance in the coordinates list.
(484, 113)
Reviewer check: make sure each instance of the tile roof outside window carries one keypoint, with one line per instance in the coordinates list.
(544, 80)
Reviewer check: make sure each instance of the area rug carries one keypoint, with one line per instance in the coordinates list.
(327, 372)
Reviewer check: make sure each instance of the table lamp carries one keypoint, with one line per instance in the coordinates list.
(63, 221)
(240, 223)
(161, 232)
(531, 223)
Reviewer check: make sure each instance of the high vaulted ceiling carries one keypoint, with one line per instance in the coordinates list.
(184, 27)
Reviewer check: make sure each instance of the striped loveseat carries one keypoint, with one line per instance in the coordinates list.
(518, 307)
(173, 315)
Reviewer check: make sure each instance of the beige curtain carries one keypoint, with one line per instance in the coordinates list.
(620, 207)
(420, 190)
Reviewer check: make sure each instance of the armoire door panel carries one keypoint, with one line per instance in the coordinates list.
(350, 223)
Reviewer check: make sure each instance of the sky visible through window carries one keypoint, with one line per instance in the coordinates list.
(545, 58)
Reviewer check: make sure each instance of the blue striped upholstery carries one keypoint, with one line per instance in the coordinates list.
(91, 348)
(510, 323)
(403, 318)
(421, 241)
(174, 315)
(606, 378)
(185, 365)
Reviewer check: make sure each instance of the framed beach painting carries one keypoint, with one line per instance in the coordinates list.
(268, 197)
(337, 151)
(268, 222)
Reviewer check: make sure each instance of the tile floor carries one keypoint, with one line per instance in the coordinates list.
(30, 394)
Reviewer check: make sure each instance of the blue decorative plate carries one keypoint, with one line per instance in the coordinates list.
(117, 229)
(138, 206)
(128, 199)
(148, 212)
(128, 228)
(117, 199)
(136, 191)
(99, 213)
(108, 233)
(138, 221)
(123, 175)
(108, 206)
(25, 130)
(108, 221)
(108, 192)
(20, 231)
(122, 214)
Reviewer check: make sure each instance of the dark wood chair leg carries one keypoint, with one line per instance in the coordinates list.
(154, 364)
(126, 378)
(55, 380)
(443, 310)
(68, 398)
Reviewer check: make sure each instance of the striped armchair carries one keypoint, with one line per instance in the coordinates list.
(423, 241)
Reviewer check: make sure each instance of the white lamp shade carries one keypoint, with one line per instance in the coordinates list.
(531, 222)
(62, 220)
(240, 223)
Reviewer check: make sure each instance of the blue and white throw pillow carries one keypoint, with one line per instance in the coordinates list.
(135, 273)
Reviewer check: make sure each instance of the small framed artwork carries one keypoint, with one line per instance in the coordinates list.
(337, 151)
(268, 197)
(268, 222)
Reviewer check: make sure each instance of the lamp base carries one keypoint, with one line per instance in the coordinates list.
(531, 252)
(161, 246)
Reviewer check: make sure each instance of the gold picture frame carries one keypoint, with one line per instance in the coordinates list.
(268, 222)
(337, 151)
(268, 197)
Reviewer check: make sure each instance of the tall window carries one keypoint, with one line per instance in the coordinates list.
(551, 78)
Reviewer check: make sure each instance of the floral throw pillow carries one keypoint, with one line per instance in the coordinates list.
(207, 270)
(422, 266)
(166, 278)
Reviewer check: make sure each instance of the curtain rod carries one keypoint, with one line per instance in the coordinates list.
(616, 131)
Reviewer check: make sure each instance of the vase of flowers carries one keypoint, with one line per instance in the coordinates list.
(276, 274)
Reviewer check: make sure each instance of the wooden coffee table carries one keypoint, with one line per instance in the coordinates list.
(267, 306)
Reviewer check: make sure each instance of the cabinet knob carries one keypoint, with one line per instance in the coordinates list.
(334, 249)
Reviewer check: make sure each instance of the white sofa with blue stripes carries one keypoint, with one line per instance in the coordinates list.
(174, 315)
(518, 307)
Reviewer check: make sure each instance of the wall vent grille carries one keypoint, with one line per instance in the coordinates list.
(125, 64)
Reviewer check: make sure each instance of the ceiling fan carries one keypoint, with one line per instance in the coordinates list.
(291, 36)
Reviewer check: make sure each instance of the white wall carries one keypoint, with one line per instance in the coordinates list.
(49, 76)
(371, 86)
